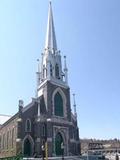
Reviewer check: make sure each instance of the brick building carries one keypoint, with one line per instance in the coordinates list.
(48, 118)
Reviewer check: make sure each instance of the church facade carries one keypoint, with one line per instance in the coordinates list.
(46, 121)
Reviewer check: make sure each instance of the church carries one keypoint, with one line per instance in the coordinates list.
(47, 121)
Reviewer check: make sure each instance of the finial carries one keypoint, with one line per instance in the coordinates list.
(38, 65)
(21, 103)
(65, 65)
(74, 99)
(37, 76)
(65, 70)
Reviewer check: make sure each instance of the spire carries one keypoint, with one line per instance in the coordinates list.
(50, 36)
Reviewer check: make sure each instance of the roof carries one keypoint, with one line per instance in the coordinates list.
(4, 118)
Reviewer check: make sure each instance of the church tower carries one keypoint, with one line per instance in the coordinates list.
(50, 68)
(55, 116)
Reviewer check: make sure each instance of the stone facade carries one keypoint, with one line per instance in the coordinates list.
(47, 122)
(35, 134)
(8, 136)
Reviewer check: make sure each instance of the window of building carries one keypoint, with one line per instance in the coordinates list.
(28, 125)
(12, 140)
(43, 130)
(7, 143)
(51, 72)
(57, 71)
(43, 71)
(3, 141)
(58, 105)
(59, 144)
(46, 72)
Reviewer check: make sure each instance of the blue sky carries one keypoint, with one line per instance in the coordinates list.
(88, 33)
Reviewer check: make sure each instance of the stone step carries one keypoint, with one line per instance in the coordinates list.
(56, 158)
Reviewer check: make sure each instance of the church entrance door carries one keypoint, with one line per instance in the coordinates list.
(58, 144)
(27, 148)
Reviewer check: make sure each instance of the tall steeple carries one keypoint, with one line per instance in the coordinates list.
(51, 66)
(50, 35)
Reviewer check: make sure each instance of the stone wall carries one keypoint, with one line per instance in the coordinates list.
(8, 136)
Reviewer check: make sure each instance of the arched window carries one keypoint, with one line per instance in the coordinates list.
(12, 137)
(43, 130)
(3, 142)
(7, 139)
(57, 71)
(58, 105)
(51, 72)
(28, 146)
(10, 140)
(43, 71)
(28, 125)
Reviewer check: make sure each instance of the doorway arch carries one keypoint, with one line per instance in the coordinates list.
(58, 144)
(28, 146)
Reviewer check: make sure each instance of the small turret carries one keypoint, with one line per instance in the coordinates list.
(74, 105)
(65, 70)
(38, 73)
(38, 76)
(21, 104)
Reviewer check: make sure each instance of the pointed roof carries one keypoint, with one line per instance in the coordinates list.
(50, 35)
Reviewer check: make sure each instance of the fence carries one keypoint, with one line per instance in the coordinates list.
(19, 157)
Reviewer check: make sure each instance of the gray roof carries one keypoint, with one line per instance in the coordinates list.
(4, 118)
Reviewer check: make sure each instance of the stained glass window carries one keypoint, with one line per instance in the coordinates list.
(58, 104)
(28, 125)
(51, 72)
